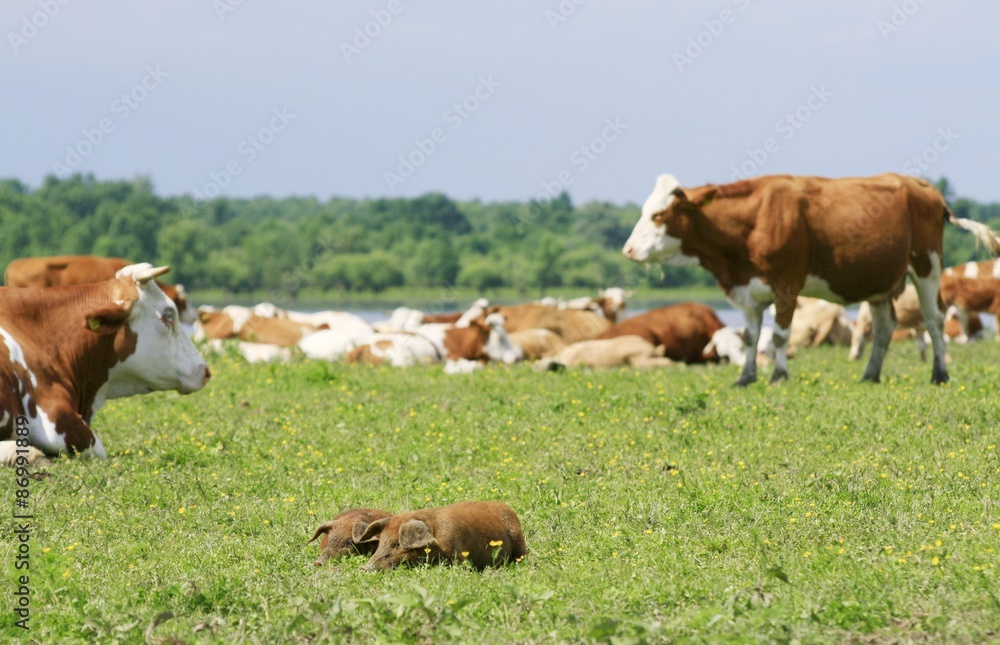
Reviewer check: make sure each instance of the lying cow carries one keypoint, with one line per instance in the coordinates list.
(484, 534)
(239, 322)
(729, 344)
(69, 270)
(116, 338)
(398, 349)
(818, 322)
(484, 340)
(633, 351)
(684, 330)
(538, 343)
(572, 324)
(337, 535)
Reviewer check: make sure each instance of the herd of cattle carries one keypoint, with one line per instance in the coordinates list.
(78, 330)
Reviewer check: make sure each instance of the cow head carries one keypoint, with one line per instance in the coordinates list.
(163, 357)
(650, 241)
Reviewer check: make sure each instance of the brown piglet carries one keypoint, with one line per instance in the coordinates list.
(337, 535)
(483, 533)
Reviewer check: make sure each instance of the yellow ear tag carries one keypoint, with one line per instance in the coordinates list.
(93, 323)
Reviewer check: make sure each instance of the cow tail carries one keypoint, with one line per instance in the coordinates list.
(982, 232)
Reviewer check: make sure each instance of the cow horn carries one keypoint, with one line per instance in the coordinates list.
(141, 273)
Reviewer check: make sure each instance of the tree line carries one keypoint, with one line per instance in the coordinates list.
(345, 245)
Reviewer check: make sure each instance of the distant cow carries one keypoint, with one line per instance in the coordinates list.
(683, 330)
(65, 350)
(818, 322)
(573, 325)
(68, 270)
(729, 344)
(337, 535)
(399, 349)
(538, 343)
(771, 239)
(632, 351)
(973, 287)
(908, 315)
(484, 534)
(239, 322)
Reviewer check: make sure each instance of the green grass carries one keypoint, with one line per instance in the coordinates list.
(657, 506)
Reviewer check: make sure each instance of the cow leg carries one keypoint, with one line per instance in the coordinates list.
(927, 290)
(754, 316)
(883, 322)
(784, 310)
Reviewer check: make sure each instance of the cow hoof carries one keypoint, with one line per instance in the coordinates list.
(779, 375)
(939, 378)
(745, 381)
(870, 379)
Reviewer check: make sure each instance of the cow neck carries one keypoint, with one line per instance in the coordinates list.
(50, 323)
(716, 232)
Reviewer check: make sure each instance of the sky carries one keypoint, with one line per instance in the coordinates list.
(496, 100)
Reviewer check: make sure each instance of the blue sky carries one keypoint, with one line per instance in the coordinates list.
(500, 101)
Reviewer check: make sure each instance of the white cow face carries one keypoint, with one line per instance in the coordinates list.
(649, 241)
(164, 356)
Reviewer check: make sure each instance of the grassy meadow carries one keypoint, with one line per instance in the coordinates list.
(658, 506)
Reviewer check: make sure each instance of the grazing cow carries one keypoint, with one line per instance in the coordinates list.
(484, 534)
(818, 322)
(239, 322)
(538, 343)
(68, 270)
(771, 239)
(633, 351)
(684, 330)
(337, 535)
(973, 287)
(572, 324)
(65, 350)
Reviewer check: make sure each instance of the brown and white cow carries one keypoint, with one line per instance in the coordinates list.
(971, 288)
(68, 270)
(538, 343)
(906, 310)
(684, 330)
(65, 350)
(239, 322)
(572, 324)
(771, 239)
(818, 322)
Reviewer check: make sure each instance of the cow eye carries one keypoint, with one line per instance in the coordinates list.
(167, 317)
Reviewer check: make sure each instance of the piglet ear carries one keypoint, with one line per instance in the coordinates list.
(415, 535)
(322, 529)
(108, 319)
(368, 532)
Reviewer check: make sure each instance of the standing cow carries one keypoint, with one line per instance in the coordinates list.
(770, 239)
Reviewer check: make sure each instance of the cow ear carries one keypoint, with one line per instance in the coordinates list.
(368, 532)
(321, 530)
(415, 535)
(108, 319)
